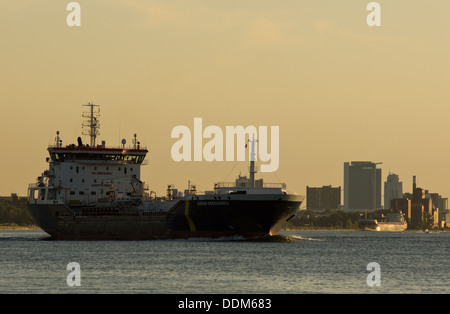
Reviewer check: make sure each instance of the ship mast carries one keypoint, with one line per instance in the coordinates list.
(252, 162)
(91, 124)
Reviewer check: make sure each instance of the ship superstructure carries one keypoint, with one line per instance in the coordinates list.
(92, 191)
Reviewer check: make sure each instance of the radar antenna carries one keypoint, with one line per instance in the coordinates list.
(91, 125)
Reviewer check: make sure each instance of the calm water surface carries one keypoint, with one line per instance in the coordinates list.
(302, 262)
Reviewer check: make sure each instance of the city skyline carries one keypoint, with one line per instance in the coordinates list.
(338, 89)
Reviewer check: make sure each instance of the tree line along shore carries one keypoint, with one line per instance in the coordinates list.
(341, 220)
(16, 217)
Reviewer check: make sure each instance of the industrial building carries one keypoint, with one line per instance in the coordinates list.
(420, 206)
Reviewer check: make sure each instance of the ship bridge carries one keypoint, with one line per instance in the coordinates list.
(73, 153)
(81, 174)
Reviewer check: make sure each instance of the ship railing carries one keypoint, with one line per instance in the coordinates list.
(37, 185)
(234, 185)
(126, 147)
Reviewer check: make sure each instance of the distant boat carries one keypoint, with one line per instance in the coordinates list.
(394, 222)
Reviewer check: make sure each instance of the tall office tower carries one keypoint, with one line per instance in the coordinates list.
(324, 198)
(362, 186)
(393, 188)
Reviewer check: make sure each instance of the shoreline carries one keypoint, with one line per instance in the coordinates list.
(343, 229)
(15, 227)
(317, 229)
(34, 227)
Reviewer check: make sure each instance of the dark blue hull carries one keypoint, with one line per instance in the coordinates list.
(186, 219)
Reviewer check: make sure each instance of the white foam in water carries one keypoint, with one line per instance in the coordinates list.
(304, 238)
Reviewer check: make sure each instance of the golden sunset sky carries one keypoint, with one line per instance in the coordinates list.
(338, 89)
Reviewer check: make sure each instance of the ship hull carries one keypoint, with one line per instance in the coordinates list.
(201, 218)
(373, 225)
(392, 227)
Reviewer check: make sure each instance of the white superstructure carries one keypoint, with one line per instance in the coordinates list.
(83, 174)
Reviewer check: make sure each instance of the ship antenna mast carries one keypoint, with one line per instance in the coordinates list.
(252, 162)
(92, 124)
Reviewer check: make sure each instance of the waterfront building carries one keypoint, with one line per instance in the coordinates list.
(419, 205)
(323, 198)
(362, 186)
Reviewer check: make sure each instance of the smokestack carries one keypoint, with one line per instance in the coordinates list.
(414, 184)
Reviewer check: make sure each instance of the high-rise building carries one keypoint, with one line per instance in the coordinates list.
(393, 188)
(323, 198)
(362, 186)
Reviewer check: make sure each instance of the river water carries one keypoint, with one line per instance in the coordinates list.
(296, 262)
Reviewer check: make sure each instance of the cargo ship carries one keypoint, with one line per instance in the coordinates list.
(394, 222)
(94, 192)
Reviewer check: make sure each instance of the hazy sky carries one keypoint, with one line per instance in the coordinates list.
(338, 89)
